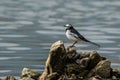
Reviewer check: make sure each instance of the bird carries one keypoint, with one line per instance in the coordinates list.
(73, 35)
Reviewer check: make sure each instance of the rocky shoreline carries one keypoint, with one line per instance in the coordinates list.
(68, 64)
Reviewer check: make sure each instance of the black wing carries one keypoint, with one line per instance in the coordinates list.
(79, 35)
(82, 38)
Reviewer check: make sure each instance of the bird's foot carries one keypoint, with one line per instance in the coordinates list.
(73, 44)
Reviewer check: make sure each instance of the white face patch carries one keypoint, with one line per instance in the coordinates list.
(67, 25)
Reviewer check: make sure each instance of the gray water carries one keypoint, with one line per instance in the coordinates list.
(29, 27)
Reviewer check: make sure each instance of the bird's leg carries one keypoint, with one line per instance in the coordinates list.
(74, 43)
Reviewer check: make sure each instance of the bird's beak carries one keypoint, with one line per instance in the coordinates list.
(64, 26)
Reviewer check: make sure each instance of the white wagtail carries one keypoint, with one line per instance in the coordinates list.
(73, 35)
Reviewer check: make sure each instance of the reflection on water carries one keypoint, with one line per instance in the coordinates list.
(29, 27)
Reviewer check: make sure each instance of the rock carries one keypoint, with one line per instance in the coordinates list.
(75, 69)
(63, 77)
(53, 76)
(94, 59)
(68, 64)
(97, 77)
(102, 69)
(56, 60)
(83, 62)
(28, 74)
(84, 54)
(27, 78)
(116, 73)
(72, 77)
(71, 52)
(44, 74)
(10, 77)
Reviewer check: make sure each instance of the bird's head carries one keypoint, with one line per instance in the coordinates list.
(69, 26)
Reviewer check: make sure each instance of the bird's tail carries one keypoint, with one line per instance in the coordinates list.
(94, 44)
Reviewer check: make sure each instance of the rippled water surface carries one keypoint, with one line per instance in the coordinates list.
(29, 27)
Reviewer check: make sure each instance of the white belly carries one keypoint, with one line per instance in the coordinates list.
(71, 37)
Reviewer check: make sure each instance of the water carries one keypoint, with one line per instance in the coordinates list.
(29, 27)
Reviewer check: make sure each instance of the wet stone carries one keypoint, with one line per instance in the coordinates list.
(28, 74)
(72, 65)
(94, 59)
(102, 69)
(68, 64)
(10, 77)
